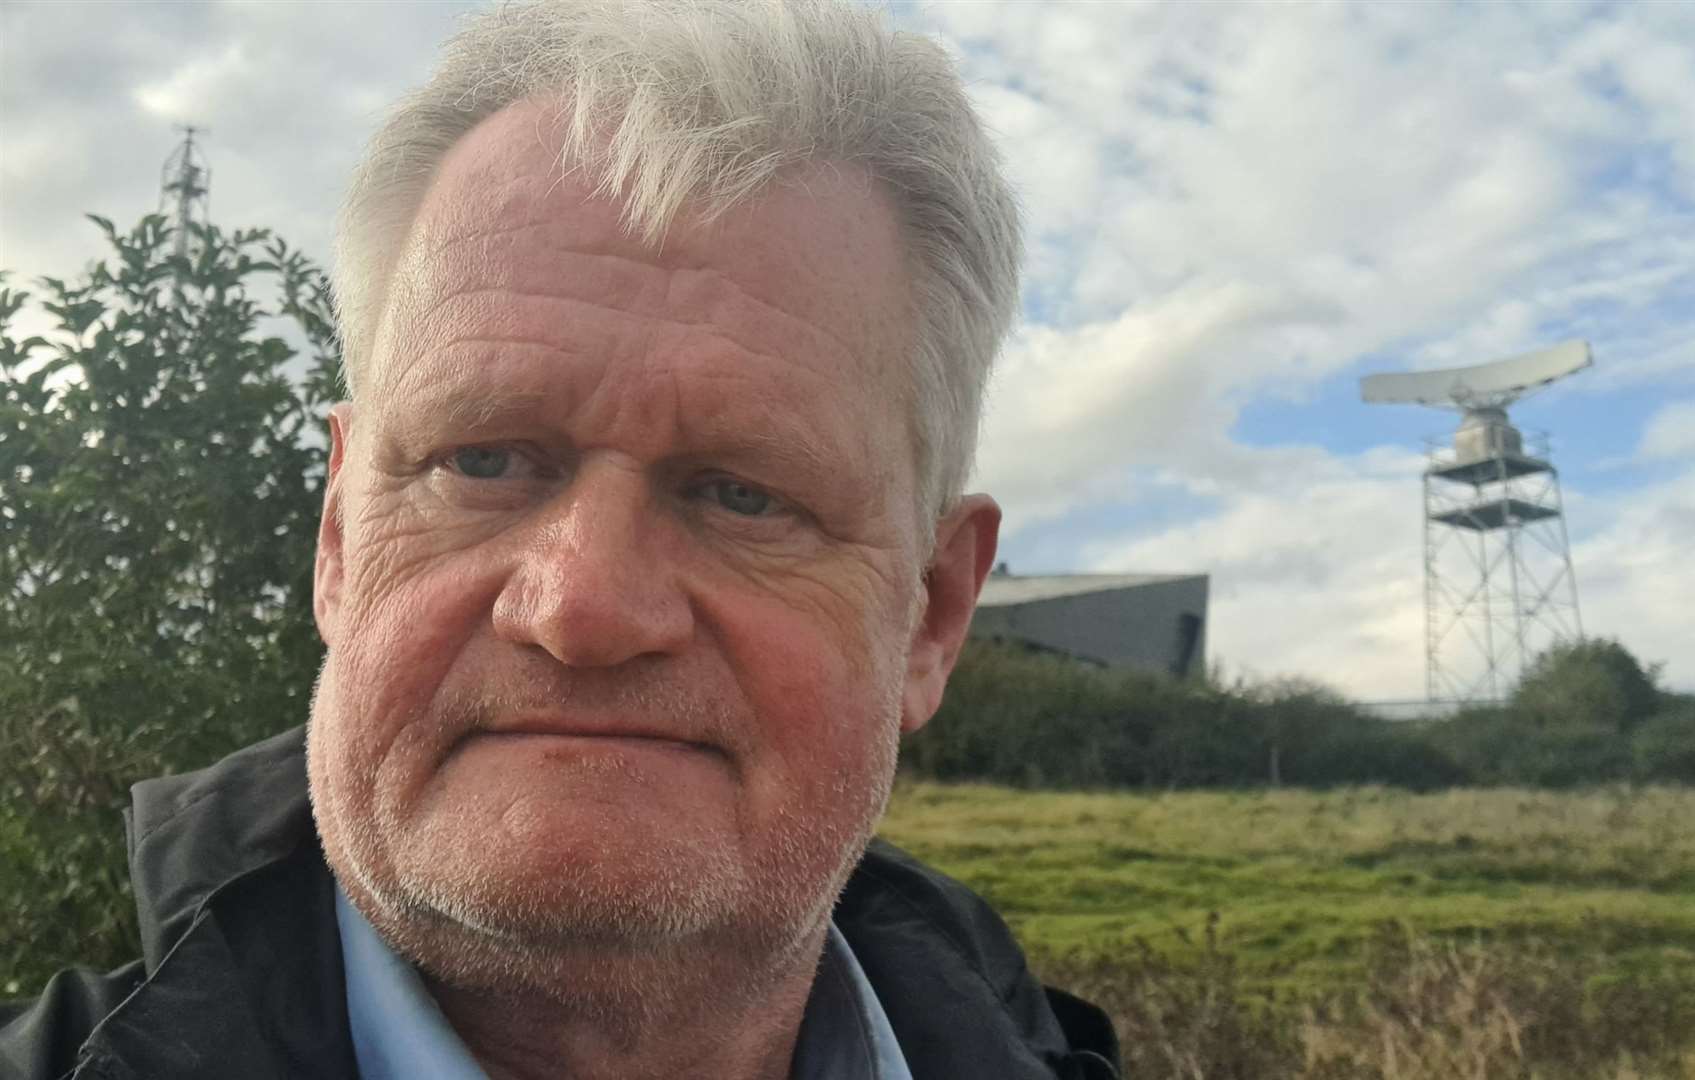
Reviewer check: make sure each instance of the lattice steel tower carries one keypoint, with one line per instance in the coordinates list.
(1498, 580)
(183, 186)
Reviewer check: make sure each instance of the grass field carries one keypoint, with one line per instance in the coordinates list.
(1304, 884)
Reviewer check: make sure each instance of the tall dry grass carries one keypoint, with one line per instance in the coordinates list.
(1428, 1010)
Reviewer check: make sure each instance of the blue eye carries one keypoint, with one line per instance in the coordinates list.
(739, 498)
(482, 462)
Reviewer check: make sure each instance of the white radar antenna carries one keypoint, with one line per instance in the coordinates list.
(1498, 579)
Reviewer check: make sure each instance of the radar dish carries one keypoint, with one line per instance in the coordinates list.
(1496, 384)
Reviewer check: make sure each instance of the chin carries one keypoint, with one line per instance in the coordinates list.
(494, 876)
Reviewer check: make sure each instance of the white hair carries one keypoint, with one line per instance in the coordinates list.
(703, 102)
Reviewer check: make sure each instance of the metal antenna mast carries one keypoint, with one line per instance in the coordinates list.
(183, 186)
(1498, 579)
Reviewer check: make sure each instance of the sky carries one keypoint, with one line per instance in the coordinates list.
(1234, 211)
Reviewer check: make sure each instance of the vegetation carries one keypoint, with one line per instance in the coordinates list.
(158, 496)
(1355, 933)
(1586, 713)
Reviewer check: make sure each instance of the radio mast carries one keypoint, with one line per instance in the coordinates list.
(183, 186)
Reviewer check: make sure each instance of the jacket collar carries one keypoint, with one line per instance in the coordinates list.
(235, 905)
(192, 835)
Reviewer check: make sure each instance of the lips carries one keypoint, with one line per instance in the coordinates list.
(588, 728)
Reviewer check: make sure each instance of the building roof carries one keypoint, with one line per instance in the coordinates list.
(1004, 590)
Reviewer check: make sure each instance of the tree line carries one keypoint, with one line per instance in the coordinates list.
(1585, 712)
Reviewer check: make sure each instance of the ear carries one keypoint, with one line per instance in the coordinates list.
(327, 568)
(965, 549)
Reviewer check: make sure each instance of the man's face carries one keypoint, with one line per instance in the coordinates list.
(619, 571)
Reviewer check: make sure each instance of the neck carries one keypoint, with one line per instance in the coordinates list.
(723, 1016)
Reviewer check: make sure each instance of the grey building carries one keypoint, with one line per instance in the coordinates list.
(1155, 622)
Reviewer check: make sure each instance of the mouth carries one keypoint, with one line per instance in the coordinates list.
(606, 742)
(588, 735)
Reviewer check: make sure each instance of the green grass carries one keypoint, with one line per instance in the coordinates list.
(1303, 882)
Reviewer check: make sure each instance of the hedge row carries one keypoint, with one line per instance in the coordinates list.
(1036, 720)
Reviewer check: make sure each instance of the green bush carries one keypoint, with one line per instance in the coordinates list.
(1663, 749)
(1588, 684)
(1029, 719)
(1506, 746)
(159, 503)
(1005, 709)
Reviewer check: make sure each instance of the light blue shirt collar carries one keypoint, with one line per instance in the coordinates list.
(399, 1033)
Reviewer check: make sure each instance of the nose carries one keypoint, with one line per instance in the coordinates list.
(598, 584)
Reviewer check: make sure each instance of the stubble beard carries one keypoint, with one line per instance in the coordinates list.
(700, 923)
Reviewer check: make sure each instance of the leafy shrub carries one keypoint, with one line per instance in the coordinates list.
(1027, 703)
(1591, 683)
(159, 505)
(1505, 746)
(1664, 748)
(1029, 719)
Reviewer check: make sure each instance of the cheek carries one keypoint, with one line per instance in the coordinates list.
(403, 638)
(821, 688)
(411, 598)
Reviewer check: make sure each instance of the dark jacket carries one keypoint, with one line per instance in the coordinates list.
(241, 977)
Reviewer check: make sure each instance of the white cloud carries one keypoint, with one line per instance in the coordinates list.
(190, 90)
(1635, 576)
(1314, 560)
(1415, 165)
(1670, 433)
(1653, 63)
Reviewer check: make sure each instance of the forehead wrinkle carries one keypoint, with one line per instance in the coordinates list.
(432, 252)
(710, 329)
(432, 365)
(453, 391)
(722, 291)
(770, 430)
(727, 292)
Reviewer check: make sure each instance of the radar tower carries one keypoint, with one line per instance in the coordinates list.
(1498, 580)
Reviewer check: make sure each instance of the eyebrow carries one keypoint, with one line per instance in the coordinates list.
(777, 438)
(796, 454)
(484, 408)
